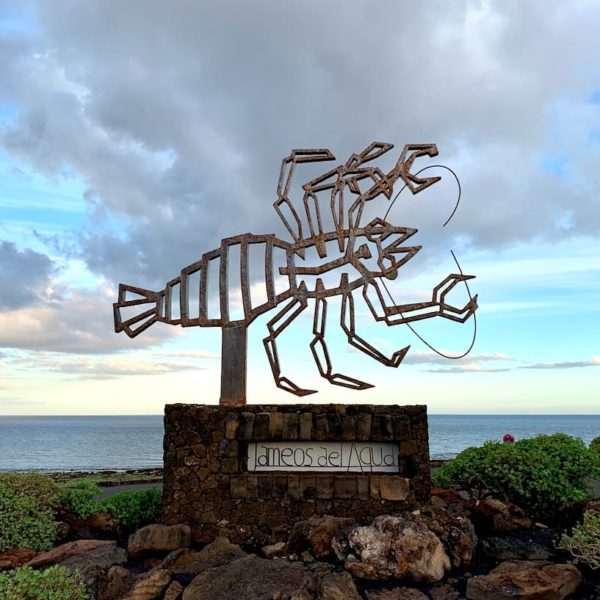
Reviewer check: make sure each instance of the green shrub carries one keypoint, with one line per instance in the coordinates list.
(28, 502)
(79, 497)
(135, 509)
(55, 583)
(595, 445)
(584, 542)
(537, 473)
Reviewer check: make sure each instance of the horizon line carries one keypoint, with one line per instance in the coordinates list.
(453, 414)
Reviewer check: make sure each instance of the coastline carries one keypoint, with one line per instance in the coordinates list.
(127, 479)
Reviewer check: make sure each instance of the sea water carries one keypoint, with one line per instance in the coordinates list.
(133, 442)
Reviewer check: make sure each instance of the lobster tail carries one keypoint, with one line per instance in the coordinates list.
(131, 320)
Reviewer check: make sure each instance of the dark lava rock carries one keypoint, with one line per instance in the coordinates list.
(11, 559)
(159, 538)
(256, 578)
(316, 535)
(531, 544)
(190, 562)
(496, 516)
(525, 581)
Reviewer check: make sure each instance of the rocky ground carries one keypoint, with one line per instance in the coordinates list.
(455, 548)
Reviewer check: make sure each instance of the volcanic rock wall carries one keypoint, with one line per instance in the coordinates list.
(208, 483)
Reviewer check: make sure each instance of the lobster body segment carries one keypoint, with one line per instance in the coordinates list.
(365, 256)
(174, 305)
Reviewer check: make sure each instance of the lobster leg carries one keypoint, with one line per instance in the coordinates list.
(275, 328)
(349, 327)
(323, 361)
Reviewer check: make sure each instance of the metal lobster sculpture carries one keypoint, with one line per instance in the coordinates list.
(356, 244)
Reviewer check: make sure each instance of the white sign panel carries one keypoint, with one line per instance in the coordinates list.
(323, 456)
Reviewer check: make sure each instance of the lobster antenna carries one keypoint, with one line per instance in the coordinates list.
(458, 197)
(415, 332)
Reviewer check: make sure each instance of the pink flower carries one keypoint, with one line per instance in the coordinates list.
(509, 438)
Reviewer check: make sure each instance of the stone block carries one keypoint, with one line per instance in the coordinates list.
(408, 447)
(232, 423)
(374, 487)
(275, 426)
(293, 487)
(362, 487)
(381, 428)
(344, 486)
(264, 486)
(237, 486)
(325, 486)
(261, 426)
(401, 426)
(306, 426)
(321, 428)
(230, 465)
(348, 428)
(393, 487)
(291, 426)
(407, 467)
(246, 428)
(279, 485)
(334, 422)
(307, 486)
(199, 450)
(208, 517)
(363, 427)
(227, 449)
(252, 486)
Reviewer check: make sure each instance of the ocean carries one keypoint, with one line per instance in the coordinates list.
(89, 443)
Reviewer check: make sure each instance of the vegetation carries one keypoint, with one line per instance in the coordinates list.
(584, 542)
(537, 473)
(79, 497)
(55, 583)
(28, 503)
(595, 445)
(110, 478)
(135, 509)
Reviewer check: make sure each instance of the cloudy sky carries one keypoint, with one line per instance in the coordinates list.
(135, 135)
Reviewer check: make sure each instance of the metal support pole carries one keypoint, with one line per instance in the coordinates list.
(234, 350)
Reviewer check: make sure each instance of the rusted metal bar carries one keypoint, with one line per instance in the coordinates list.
(234, 351)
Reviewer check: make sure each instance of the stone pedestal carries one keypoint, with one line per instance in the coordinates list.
(207, 483)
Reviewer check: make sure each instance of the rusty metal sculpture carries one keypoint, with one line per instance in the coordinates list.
(354, 245)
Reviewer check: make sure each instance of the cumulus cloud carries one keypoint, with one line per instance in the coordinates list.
(178, 122)
(24, 275)
(79, 322)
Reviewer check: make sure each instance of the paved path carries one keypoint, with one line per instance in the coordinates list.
(111, 490)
